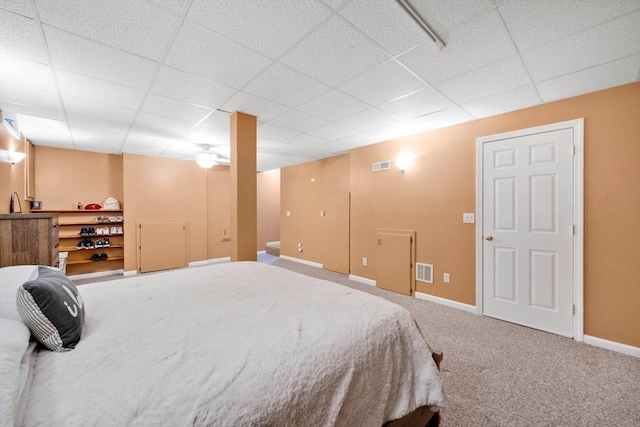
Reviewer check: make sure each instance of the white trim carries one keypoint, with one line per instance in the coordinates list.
(96, 274)
(447, 302)
(219, 260)
(364, 280)
(301, 261)
(130, 273)
(199, 263)
(578, 213)
(613, 346)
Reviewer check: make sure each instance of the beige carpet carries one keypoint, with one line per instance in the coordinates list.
(499, 374)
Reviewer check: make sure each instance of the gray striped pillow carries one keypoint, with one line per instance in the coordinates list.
(51, 306)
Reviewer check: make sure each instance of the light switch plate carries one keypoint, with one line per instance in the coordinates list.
(468, 218)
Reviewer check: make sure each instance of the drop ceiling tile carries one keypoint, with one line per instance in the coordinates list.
(206, 135)
(146, 136)
(261, 108)
(79, 55)
(31, 111)
(369, 119)
(531, 25)
(333, 131)
(276, 147)
(281, 160)
(386, 23)
(218, 119)
(32, 98)
(335, 4)
(268, 27)
(449, 117)
(443, 16)
(19, 37)
(98, 125)
(144, 149)
(417, 104)
(209, 55)
(489, 80)
(286, 86)
(383, 83)
(336, 147)
(614, 40)
(21, 74)
(91, 140)
(333, 105)
(180, 150)
(604, 76)
(504, 102)
(190, 88)
(314, 153)
(396, 130)
(100, 91)
(20, 7)
(97, 110)
(476, 43)
(46, 132)
(325, 55)
(174, 109)
(164, 126)
(298, 121)
(361, 139)
(134, 26)
(267, 130)
(173, 6)
(307, 141)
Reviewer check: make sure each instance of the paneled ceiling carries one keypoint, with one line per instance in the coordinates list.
(160, 77)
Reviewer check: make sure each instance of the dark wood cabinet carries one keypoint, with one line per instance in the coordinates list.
(29, 239)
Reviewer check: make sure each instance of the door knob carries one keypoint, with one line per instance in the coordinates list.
(379, 242)
(488, 237)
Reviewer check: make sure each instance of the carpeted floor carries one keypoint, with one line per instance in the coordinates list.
(499, 374)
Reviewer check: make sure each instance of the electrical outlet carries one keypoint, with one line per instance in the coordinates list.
(288, 213)
(299, 247)
(364, 261)
(468, 218)
(446, 278)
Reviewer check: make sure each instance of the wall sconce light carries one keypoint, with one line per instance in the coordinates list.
(404, 160)
(12, 157)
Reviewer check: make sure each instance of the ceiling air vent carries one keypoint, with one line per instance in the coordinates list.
(381, 166)
(424, 272)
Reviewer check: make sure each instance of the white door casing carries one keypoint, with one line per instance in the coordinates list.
(529, 229)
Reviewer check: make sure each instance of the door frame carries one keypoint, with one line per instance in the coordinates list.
(578, 213)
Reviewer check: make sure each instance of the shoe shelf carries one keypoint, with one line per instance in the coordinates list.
(73, 228)
(88, 261)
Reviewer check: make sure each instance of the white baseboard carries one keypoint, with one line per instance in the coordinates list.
(447, 302)
(301, 261)
(364, 280)
(613, 346)
(96, 274)
(130, 273)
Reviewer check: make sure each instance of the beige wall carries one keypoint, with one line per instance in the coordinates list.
(65, 177)
(12, 177)
(301, 190)
(268, 207)
(157, 189)
(218, 212)
(431, 197)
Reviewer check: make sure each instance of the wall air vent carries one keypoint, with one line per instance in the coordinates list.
(381, 166)
(424, 272)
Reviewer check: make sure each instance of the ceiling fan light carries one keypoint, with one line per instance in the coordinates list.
(206, 159)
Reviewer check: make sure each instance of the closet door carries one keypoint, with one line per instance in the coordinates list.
(162, 245)
(335, 232)
(395, 261)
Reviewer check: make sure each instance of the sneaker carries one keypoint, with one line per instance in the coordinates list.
(88, 244)
(103, 257)
(98, 244)
(112, 219)
(95, 257)
(84, 232)
(114, 230)
(80, 245)
(120, 230)
(119, 219)
(105, 243)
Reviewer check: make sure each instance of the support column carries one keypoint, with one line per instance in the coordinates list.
(244, 222)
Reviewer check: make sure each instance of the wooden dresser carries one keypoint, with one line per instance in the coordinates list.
(29, 239)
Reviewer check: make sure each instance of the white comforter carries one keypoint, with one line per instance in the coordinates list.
(236, 344)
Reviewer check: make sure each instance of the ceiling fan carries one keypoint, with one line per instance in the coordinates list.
(208, 158)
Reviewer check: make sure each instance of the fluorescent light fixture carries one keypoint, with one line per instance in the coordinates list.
(12, 157)
(421, 23)
(206, 159)
(404, 160)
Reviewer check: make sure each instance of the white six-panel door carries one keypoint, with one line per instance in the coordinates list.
(528, 231)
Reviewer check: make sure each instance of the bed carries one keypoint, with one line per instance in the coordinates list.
(241, 343)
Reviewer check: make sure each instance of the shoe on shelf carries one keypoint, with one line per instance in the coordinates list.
(88, 244)
(80, 245)
(112, 219)
(103, 257)
(98, 244)
(120, 230)
(91, 231)
(105, 242)
(95, 257)
(114, 230)
(119, 219)
(84, 232)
